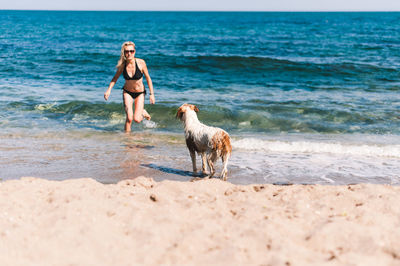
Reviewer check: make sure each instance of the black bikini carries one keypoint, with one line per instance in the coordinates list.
(138, 75)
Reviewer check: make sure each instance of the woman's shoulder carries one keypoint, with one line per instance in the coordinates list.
(140, 61)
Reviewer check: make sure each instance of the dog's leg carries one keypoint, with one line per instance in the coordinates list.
(211, 160)
(193, 156)
(204, 167)
(224, 173)
(204, 163)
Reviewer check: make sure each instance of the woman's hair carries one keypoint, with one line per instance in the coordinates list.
(122, 58)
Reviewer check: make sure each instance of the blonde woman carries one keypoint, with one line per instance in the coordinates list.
(134, 91)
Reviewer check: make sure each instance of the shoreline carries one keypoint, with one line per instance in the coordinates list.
(109, 157)
(141, 221)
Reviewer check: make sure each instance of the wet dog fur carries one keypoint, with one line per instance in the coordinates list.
(210, 143)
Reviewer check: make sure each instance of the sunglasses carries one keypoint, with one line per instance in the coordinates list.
(129, 51)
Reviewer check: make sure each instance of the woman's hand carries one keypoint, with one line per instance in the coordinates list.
(152, 99)
(107, 94)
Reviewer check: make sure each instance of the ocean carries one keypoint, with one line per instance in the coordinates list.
(308, 98)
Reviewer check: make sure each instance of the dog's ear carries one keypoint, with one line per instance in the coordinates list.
(196, 109)
(179, 114)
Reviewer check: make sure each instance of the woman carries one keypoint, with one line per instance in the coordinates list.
(133, 91)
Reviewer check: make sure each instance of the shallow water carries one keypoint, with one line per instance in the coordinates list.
(112, 156)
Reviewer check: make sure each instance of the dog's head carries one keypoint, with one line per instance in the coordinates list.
(184, 108)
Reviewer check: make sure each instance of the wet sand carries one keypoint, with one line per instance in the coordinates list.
(208, 222)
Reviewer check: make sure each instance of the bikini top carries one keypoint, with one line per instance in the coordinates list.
(138, 74)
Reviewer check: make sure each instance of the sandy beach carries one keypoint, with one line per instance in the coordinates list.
(209, 222)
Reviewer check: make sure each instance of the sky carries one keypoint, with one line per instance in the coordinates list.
(205, 5)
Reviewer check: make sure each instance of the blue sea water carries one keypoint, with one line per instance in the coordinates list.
(306, 97)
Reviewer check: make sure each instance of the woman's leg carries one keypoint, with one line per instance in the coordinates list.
(128, 104)
(139, 107)
(146, 115)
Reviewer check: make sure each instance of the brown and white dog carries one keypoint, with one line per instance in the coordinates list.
(209, 142)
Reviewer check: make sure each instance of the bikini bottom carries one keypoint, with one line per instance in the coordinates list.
(135, 94)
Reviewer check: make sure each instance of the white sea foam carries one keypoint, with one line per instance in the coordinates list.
(149, 124)
(317, 147)
(44, 107)
(295, 164)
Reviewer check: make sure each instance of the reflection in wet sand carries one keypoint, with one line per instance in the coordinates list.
(133, 147)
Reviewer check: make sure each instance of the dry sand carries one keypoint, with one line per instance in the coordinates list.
(210, 222)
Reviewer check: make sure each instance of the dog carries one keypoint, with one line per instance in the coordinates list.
(209, 142)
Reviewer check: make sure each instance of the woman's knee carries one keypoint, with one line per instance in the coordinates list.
(129, 119)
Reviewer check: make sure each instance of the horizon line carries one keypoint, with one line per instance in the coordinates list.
(265, 11)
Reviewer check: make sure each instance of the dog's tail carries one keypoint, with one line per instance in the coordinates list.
(221, 143)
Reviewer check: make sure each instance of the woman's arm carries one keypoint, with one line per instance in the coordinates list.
(149, 82)
(112, 83)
